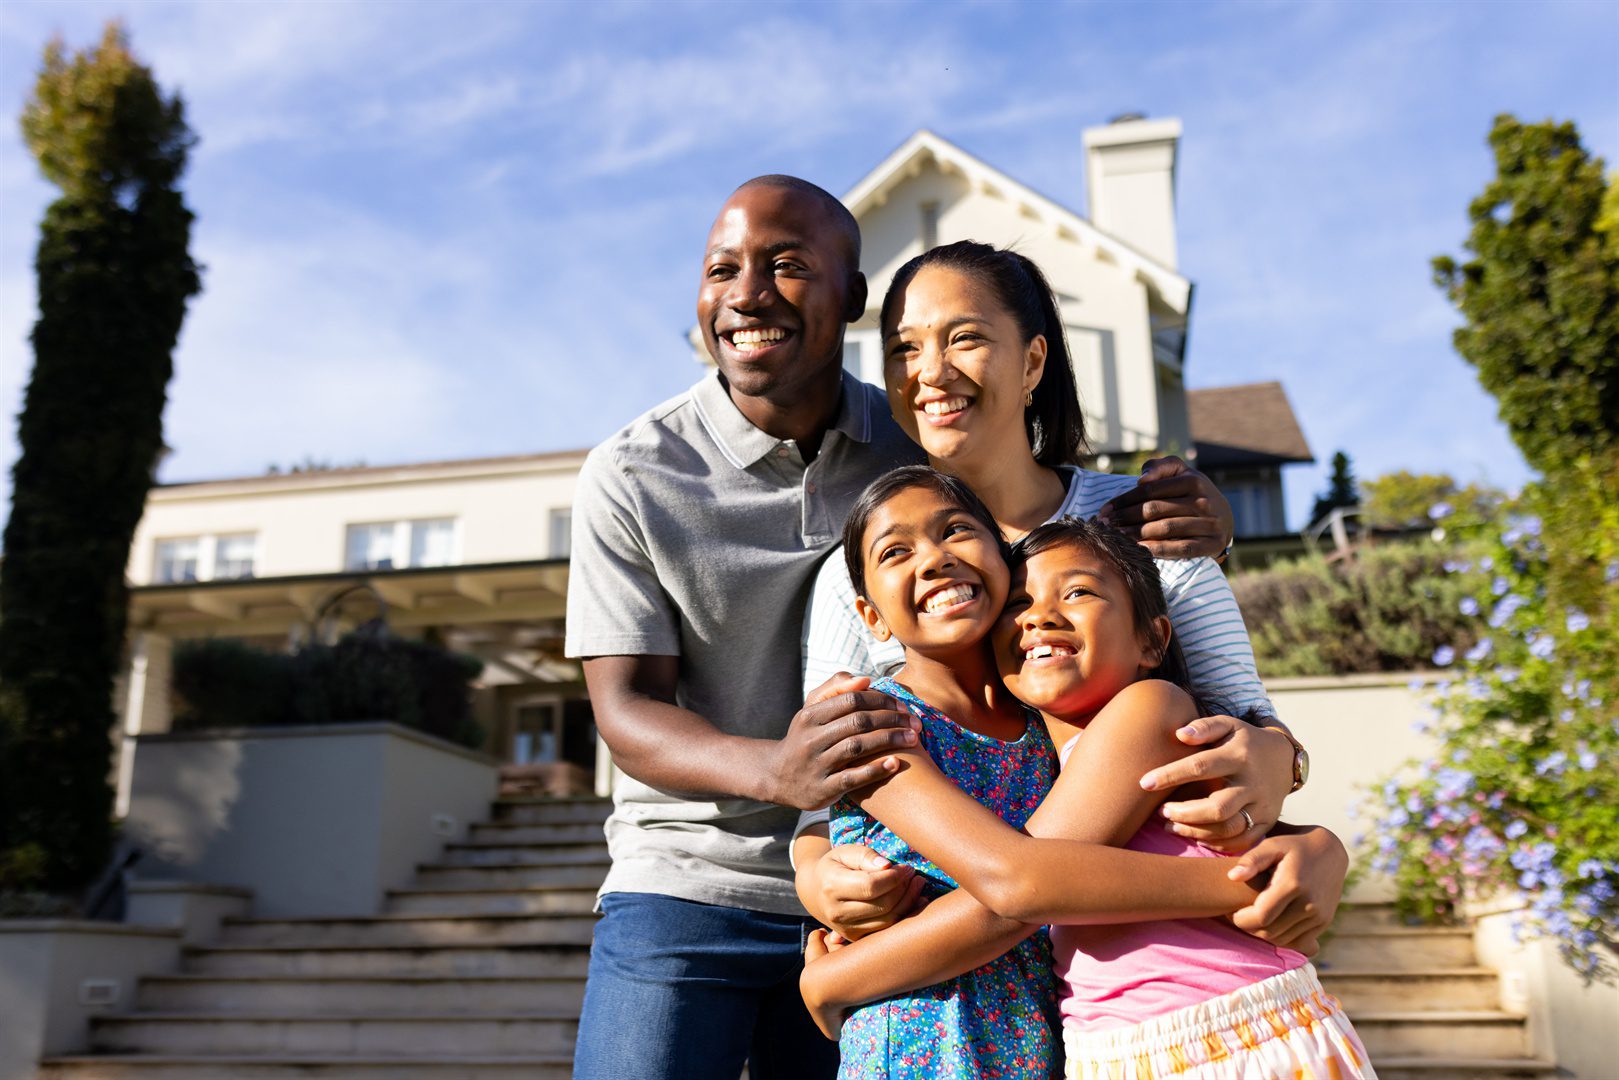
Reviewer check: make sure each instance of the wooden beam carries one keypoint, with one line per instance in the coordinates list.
(470, 587)
(395, 593)
(209, 604)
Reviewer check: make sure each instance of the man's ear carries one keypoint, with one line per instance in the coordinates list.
(872, 618)
(1156, 644)
(858, 291)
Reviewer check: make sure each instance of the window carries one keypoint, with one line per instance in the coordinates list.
(395, 545)
(863, 355)
(234, 556)
(432, 543)
(178, 560)
(561, 533)
(930, 225)
(204, 558)
(370, 547)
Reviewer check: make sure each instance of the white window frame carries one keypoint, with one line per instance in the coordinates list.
(207, 556)
(400, 542)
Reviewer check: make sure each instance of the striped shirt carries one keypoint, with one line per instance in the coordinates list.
(1201, 608)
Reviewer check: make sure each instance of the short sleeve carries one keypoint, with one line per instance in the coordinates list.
(835, 637)
(616, 605)
(1209, 624)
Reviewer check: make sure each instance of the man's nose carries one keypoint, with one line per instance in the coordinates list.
(750, 290)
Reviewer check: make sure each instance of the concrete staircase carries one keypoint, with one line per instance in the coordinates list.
(475, 970)
(1422, 1004)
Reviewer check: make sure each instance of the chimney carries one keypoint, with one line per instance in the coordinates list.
(1130, 182)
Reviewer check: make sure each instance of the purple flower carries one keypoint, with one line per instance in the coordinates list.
(1440, 510)
(1479, 651)
(1577, 620)
(1541, 646)
(1552, 764)
(1500, 585)
(1516, 829)
(1444, 656)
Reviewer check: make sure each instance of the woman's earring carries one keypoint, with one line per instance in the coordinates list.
(1028, 398)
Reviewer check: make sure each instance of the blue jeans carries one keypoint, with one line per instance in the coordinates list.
(679, 990)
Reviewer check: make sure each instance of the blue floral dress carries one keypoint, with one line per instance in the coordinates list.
(995, 1023)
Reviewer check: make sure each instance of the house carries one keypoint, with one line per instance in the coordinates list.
(477, 550)
(1242, 436)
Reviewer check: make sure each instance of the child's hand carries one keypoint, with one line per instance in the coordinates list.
(827, 1016)
(862, 892)
(1252, 770)
(1307, 871)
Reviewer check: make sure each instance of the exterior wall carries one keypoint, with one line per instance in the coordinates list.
(502, 510)
(1105, 308)
(1358, 729)
(1256, 499)
(44, 966)
(314, 820)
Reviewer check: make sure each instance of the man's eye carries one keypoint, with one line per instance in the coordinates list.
(719, 271)
(785, 267)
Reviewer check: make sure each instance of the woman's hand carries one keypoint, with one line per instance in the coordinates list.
(828, 1016)
(1174, 511)
(1250, 768)
(858, 892)
(1307, 869)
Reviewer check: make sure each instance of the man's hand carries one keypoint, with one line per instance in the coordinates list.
(1307, 871)
(834, 743)
(1174, 511)
(827, 1016)
(1250, 768)
(860, 892)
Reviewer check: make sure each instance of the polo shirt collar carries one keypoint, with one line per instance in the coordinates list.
(743, 444)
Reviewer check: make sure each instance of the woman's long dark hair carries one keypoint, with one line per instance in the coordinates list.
(1055, 423)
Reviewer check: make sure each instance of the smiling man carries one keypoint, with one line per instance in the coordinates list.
(697, 531)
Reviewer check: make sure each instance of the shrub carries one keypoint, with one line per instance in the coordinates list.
(1387, 610)
(368, 675)
(1521, 793)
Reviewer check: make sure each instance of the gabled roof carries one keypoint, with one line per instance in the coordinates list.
(905, 162)
(1251, 424)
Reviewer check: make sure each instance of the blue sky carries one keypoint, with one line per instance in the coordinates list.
(437, 230)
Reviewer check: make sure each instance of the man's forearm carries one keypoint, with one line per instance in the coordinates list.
(677, 751)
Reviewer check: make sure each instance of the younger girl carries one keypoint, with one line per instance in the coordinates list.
(1085, 638)
(929, 569)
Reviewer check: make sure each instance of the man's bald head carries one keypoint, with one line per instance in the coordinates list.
(839, 214)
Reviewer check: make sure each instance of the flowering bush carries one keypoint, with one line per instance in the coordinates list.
(1523, 793)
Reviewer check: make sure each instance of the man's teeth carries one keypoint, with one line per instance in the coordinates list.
(955, 594)
(748, 340)
(1042, 652)
(945, 407)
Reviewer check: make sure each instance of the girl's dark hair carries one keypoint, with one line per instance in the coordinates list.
(890, 484)
(1135, 567)
(1055, 423)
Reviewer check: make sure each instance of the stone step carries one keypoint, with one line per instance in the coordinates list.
(415, 930)
(303, 1067)
(1439, 988)
(507, 832)
(570, 852)
(1401, 949)
(1482, 1033)
(505, 961)
(1361, 917)
(537, 809)
(374, 995)
(534, 900)
(335, 1035)
(584, 874)
(1465, 1068)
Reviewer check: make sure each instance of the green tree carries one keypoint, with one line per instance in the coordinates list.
(1402, 499)
(1340, 491)
(1540, 294)
(114, 278)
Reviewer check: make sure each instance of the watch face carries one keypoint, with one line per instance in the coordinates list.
(1301, 767)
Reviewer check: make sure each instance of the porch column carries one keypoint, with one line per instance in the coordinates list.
(145, 706)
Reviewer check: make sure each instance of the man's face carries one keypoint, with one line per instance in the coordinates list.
(776, 293)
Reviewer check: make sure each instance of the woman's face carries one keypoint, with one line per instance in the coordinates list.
(1066, 642)
(957, 368)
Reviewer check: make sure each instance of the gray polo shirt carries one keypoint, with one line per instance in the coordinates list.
(697, 535)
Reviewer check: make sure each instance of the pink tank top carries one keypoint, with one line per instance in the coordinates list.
(1119, 976)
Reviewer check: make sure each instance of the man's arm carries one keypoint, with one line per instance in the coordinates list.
(828, 749)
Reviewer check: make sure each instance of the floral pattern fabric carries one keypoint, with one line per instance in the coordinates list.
(994, 1023)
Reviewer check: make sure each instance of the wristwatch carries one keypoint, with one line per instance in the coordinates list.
(1301, 760)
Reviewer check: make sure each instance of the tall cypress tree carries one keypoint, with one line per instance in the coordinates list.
(1341, 490)
(114, 277)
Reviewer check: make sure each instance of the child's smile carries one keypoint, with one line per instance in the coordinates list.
(935, 578)
(1067, 641)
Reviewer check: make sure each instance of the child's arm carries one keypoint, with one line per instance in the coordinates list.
(1095, 799)
(851, 888)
